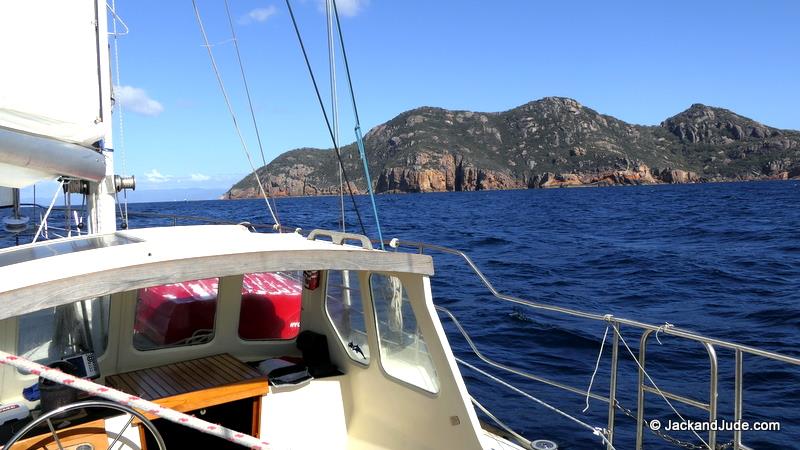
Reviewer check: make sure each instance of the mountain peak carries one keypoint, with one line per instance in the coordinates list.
(713, 125)
(565, 101)
(553, 102)
(701, 112)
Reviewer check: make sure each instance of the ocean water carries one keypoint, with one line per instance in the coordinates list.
(719, 259)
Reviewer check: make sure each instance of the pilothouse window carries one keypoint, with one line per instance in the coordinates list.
(53, 334)
(175, 314)
(270, 305)
(404, 354)
(343, 303)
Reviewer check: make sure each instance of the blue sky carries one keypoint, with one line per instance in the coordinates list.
(641, 61)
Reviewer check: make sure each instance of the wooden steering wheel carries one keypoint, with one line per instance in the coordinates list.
(69, 443)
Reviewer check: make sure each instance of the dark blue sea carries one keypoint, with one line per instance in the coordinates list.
(719, 259)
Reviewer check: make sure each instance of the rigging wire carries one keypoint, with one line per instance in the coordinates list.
(334, 98)
(84, 213)
(43, 222)
(252, 110)
(233, 114)
(325, 115)
(359, 138)
(113, 8)
(124, 224)
(67, 211)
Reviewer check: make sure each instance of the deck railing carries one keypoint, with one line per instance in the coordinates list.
(644, 386)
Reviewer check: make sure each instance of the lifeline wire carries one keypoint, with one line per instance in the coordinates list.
(230, 109)
(597, 431)
(509, 369)
(502, 425)
(636, 360)
(325, 115)
(359, 138)
(250, 104)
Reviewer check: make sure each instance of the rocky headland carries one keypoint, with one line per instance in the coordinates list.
(552, 142)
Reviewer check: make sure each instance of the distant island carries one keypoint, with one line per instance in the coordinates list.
(552, 142)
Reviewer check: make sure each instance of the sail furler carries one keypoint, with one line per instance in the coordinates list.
(50, 82)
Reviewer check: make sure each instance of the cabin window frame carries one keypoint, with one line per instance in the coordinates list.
(365, 313)
(377, 338)
(215, 329)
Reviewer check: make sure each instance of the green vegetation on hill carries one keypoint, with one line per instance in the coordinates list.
(549, 142)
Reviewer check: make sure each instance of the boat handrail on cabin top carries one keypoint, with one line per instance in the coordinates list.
(645, 383)
(338, 237)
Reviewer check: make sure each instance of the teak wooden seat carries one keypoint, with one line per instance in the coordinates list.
(195, 384)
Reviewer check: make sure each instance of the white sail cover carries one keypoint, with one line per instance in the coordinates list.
(49, 81)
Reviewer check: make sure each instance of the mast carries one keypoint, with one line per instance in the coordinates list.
(101, 201)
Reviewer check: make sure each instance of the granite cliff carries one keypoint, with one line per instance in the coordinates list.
(552, 142)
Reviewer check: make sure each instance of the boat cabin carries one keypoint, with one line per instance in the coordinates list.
(305, 343)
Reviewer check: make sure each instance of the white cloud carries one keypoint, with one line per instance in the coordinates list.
(136, 100)
(258, 15)
(200, 177)
(153, 179)
(154, 176)
(346, 8)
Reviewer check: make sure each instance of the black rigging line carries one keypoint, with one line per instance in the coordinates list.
(346, 65)
(325, 114)
(252, 111)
